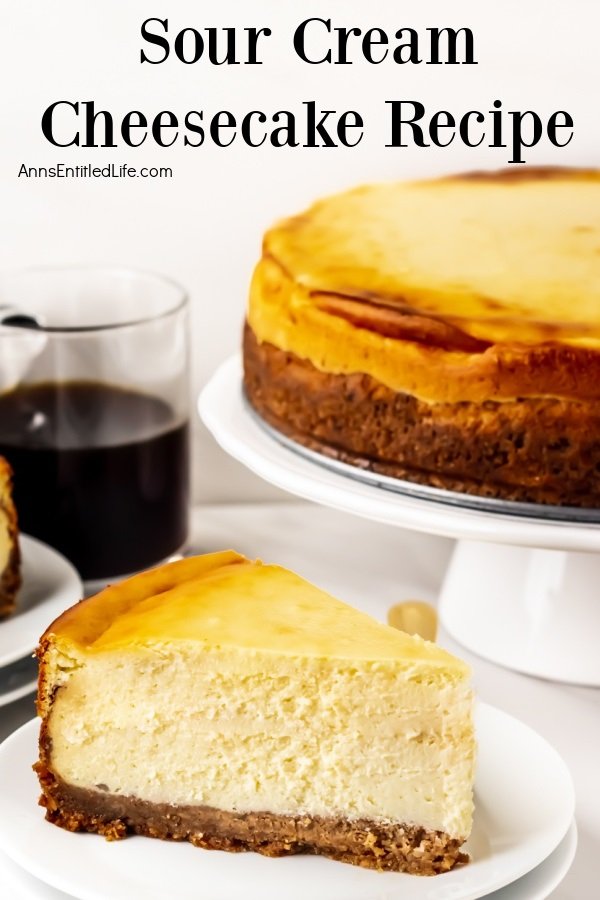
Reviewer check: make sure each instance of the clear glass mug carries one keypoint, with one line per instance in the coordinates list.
(94, 413)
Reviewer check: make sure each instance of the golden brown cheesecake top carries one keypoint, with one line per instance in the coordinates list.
(484, 286)
(225, 600)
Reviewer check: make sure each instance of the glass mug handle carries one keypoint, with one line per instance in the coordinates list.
(10, 315)
(27, 342)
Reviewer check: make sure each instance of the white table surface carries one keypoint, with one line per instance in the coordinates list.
(374, 566)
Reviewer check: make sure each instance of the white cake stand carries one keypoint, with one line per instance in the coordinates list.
(523, 586)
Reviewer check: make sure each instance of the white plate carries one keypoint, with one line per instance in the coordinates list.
(18, 680)
(536, 885)
(50, 585)
(524, 807)
(224, 411)
(545, 878)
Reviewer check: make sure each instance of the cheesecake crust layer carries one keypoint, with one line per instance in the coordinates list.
(540, 450)
(10, 580)
(370, 844)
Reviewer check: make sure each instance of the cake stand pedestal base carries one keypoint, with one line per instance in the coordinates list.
(536, 611)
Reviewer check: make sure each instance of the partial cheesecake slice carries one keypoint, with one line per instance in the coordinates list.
(237, 706)
(10, 558)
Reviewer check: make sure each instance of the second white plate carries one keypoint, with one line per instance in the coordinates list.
(17, 680)
(50, 585)
(524, 806)
(536, 885)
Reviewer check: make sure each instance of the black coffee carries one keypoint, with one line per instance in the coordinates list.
(101, 473)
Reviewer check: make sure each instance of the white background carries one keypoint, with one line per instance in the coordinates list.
(204, 226)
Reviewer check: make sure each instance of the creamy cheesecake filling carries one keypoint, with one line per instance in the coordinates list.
(244, 732)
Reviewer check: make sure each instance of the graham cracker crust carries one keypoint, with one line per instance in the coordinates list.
(537, 450)
(10, 582)
(366, 843)
(10, 579)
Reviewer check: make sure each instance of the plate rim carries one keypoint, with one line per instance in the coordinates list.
(571, 838)
(18, 693)
(25, 733)
(559, 870)
(70, 584)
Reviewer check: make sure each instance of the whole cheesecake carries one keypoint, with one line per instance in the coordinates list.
(10, 556)
(234, 705)
(445, 332)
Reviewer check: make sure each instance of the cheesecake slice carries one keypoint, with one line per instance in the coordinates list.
(234, 705)
(10, 559)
